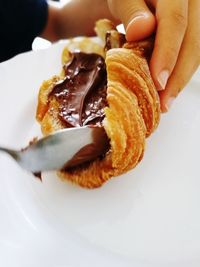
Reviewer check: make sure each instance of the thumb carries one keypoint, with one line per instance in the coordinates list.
(138, 20)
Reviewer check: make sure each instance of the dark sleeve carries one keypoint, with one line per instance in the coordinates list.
(20, 22)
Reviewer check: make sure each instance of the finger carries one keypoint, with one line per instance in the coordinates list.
(189, 58)
(171, 26)
(138, 20)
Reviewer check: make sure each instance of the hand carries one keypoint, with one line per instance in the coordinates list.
(176, 54)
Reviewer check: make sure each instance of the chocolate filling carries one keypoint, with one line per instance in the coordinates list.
(82, 93)
(82, 98)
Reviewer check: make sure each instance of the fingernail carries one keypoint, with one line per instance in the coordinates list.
(162, 79)
(169, 103)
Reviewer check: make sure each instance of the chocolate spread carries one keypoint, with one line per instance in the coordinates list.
(82, 98)
(82, 93)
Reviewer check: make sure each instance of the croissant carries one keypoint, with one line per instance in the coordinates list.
(131, 108)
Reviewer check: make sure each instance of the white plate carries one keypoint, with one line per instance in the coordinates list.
(147, 217)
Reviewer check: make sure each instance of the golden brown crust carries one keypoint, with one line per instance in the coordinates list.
(132, 114)
(133, 73)
(47, 112)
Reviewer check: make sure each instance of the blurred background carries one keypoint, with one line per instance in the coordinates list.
(40, 43)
